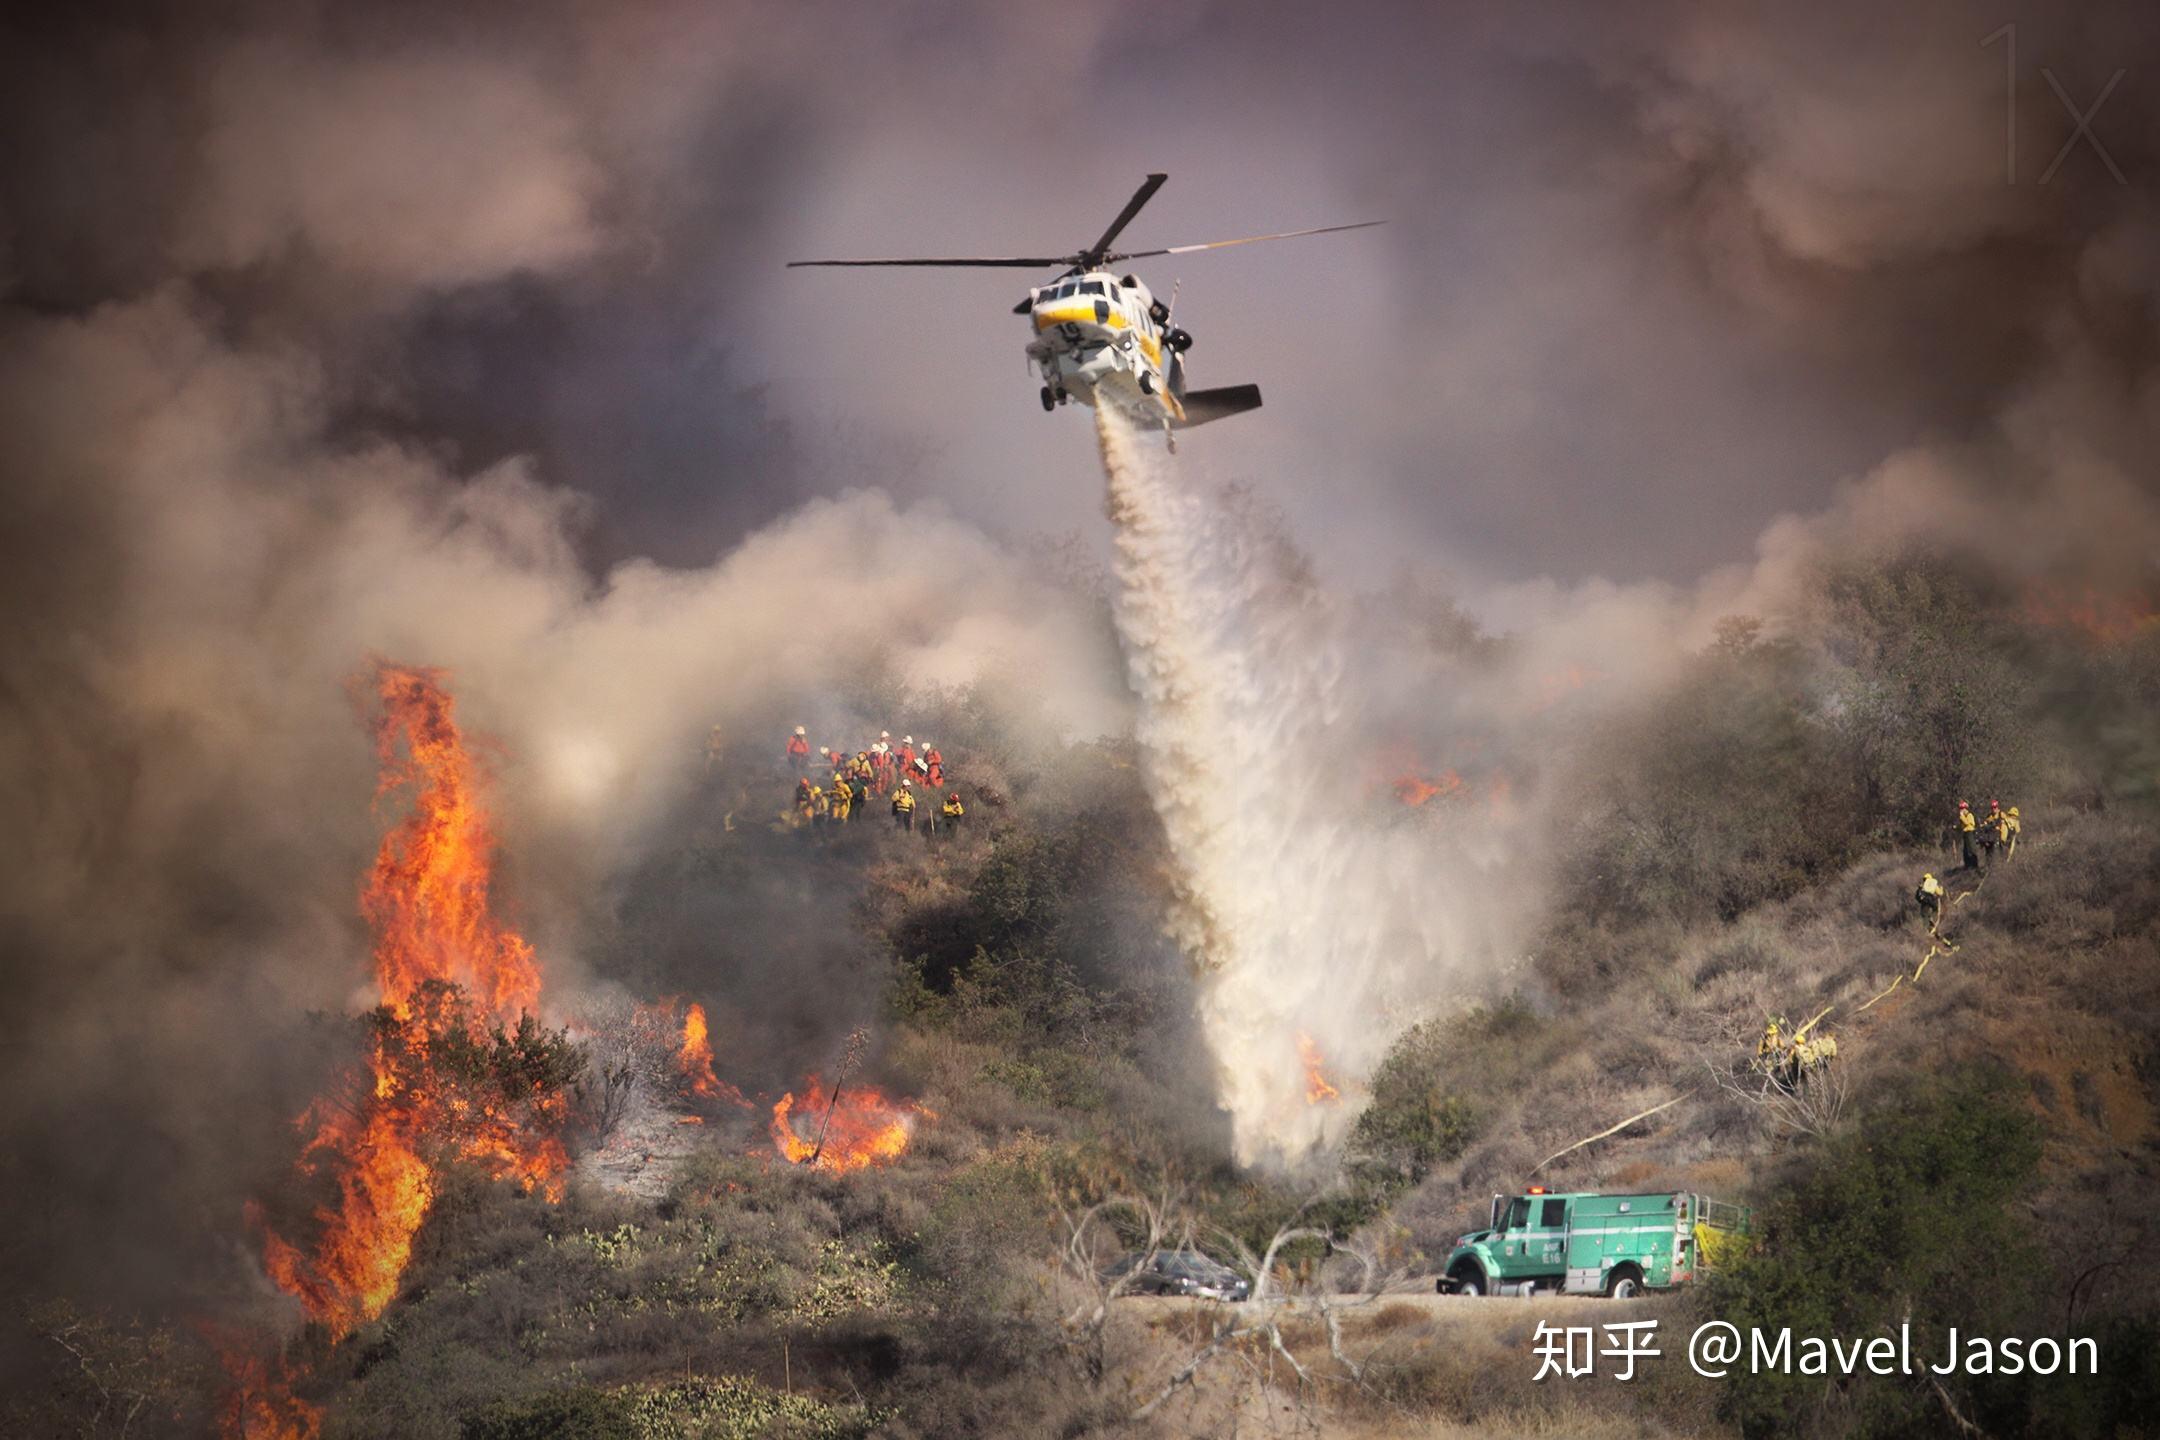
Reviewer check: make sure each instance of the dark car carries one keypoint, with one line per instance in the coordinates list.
(1179, 1272)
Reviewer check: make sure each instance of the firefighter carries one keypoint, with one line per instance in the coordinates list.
(1930, 897)
(861, 773)
(903, 806)
(798, 751)
(842, 798)
(2011, 826)
(1991, 830)
(907, 753)
(933, 765)
(1810, 1053)
(1968, 835)
(952, 811)
(820, 807)
(1770, 1050)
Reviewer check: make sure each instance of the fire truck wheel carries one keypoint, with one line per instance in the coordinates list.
(1470, 1280)
(1625, 1283)
(1049, 400)
(1147, 383)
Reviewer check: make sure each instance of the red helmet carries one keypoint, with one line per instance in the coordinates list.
(954, 796)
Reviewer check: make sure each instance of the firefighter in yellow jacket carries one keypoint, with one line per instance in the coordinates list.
(1930, 898)
(950, 813)
(842, 798)
(903, 806)
(1969, 835)
(1770, 1050)
(2011, 825)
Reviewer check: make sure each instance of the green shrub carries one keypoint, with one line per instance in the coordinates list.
(1911, 1212)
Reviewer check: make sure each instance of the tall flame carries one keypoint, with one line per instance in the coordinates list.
(427, 898)
(695, 1057)
(863, 1128)
(1317, 1089)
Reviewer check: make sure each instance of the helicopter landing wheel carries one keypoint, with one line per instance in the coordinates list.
(1049, 400)
(1147, 383)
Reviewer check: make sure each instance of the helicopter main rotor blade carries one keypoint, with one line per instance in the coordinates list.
(1145, 193)
(1016, 262)
(1246, 240)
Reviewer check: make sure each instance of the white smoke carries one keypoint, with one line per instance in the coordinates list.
(1307, 910)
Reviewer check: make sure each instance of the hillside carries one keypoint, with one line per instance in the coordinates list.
(1023, 1092)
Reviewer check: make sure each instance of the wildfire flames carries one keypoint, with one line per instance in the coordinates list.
(2106, 619)
(696, 1054)
(864, 1128)
(260, 1403)
(1416, 789)
(1317, 1089)
(437, 942)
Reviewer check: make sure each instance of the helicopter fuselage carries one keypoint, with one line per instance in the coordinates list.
(1101, 337)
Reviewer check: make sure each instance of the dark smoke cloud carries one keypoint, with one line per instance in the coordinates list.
(460, 334)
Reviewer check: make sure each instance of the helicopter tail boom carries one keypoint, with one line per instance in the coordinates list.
(1202, 406)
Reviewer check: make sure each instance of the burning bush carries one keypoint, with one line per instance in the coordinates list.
(844, 1129)
(480, 1091)
(457, 1068)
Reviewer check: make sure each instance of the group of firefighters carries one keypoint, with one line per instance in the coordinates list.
(882, 771)
(1788, 1055)
(1979, 836)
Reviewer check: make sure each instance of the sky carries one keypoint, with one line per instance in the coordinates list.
(1648, 280)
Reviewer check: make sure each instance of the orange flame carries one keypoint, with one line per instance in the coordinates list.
(2107, 619)
(696, 1057)
(864, 1128)
(427, 898)
(1317, 1089)
(428, 895)
(260, 1405)
(1416, 789)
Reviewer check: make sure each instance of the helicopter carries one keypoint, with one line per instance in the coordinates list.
(1103, 337)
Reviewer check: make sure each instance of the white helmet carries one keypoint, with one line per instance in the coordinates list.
(884, 734)
(799, 729)
(907, 783)
(929, 745)
(907, 739)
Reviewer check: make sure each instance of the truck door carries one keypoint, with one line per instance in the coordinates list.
(1536, 1243)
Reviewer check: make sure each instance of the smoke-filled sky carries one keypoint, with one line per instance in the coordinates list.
(461, 334)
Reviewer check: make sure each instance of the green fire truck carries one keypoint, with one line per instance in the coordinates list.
(1618, 1245)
